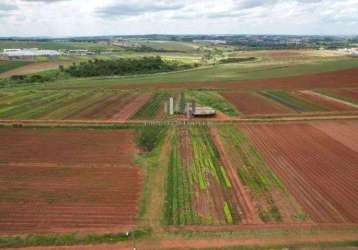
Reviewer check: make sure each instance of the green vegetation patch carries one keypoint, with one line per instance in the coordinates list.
(195, 176)
(178, 200)
(254, 172)
(212, 99)
(69, 239)
(150, 136)
(152, 107)
(296, 103)
(237, 59)
(9, 65)
(151, 140)
(123, 66)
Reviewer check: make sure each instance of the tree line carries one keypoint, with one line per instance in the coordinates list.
(123, 66)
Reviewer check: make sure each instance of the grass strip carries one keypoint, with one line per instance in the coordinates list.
(69, 239)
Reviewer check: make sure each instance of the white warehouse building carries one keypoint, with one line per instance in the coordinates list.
(21, 53)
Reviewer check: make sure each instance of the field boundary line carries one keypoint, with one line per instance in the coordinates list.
(103, 123)
(309, 92)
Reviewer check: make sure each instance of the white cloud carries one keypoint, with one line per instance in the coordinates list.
(101, 17)
(135, 8)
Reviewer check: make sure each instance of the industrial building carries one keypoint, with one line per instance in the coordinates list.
(28, 53)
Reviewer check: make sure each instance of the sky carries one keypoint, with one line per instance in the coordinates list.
(62, 18)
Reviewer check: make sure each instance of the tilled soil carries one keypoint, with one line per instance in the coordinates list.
(317, 169)
(250, 104)
(67, 180)
(131, 108)
(66, 146)
(335, 79)
(330, 103)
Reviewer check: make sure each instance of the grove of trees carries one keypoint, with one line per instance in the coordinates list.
(123, 66)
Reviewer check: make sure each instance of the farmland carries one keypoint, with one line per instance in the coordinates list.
(77, 180)
(212, 99)
(294, 102)
(253, 103)
(74, 105)
(199, 190)
(10, 65)
(349, 95)
(153, 107)
(219, 178)
(23, 68)
(84, 160)
(308, 167)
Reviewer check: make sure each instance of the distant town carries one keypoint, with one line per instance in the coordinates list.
(347, 45)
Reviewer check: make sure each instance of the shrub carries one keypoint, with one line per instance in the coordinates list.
(150, 136)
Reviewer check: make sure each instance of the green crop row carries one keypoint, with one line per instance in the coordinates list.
(206, 159)
(254, 172)
(62, 104)
(214, 100)
(151, 108)
(206, 163)
(297, 104)
(178, 209)
(194, 173)
(38, 99)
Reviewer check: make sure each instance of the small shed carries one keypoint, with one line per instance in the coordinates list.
(203, 112)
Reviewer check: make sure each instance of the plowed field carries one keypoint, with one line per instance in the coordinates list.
(352, 93)
(249, 104)
(66, 181)
(329, 103)
(335, 79)
(131, 108)
(319, 170)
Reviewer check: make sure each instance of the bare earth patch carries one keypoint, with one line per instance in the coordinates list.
(65, 181)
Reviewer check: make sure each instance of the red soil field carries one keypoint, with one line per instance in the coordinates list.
(319, 171)
(131, 108)
(350, 93)
(66, 146)
(342, 131)
(249, 104)
(67, 181)
(342, 78)
(330, 104)
(104, 108)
